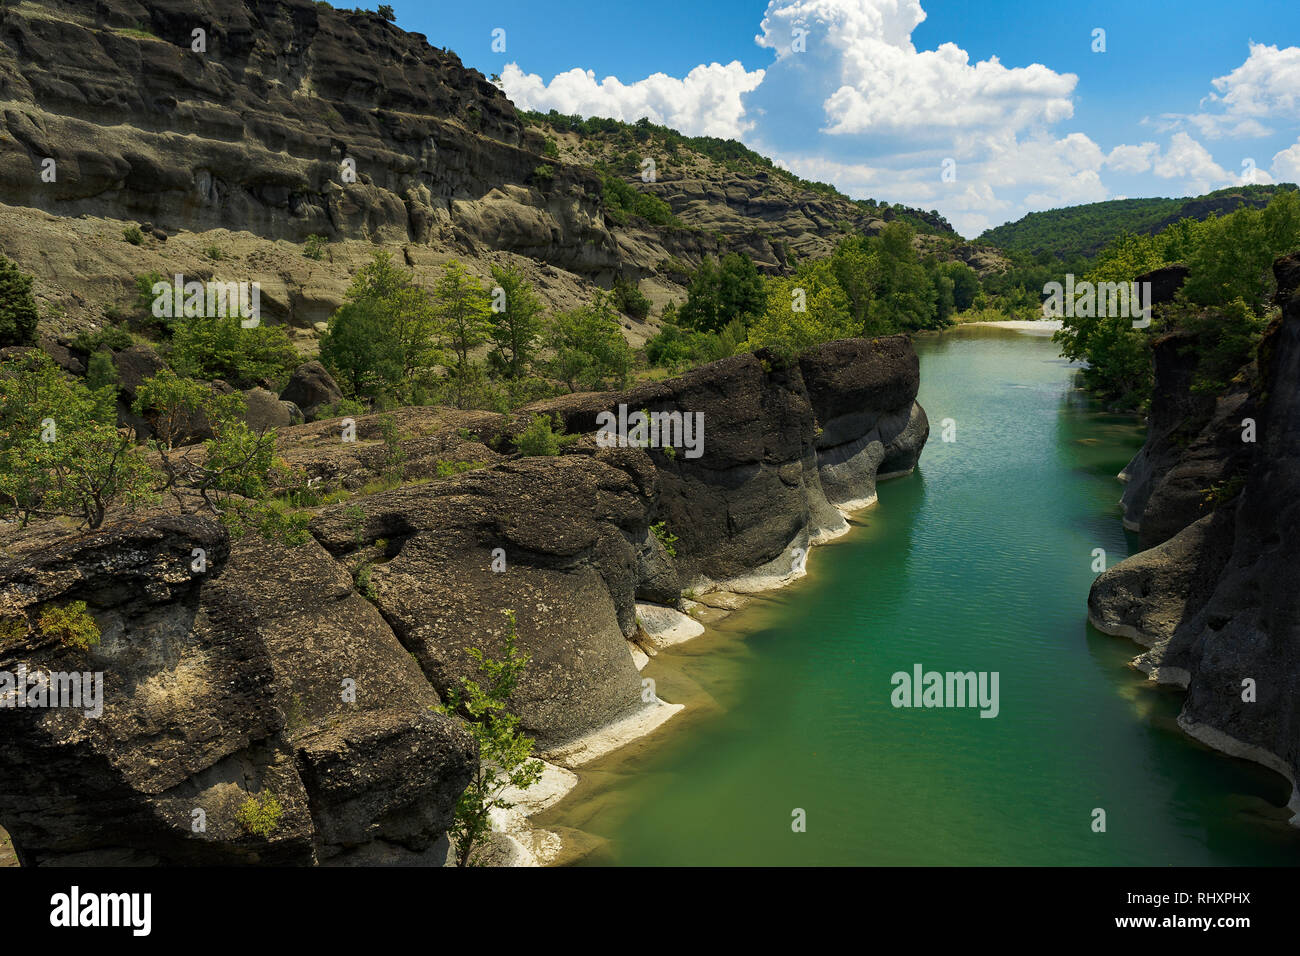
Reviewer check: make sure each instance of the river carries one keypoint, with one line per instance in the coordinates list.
(979, 561)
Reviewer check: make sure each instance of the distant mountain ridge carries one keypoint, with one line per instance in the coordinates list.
(1075, 231)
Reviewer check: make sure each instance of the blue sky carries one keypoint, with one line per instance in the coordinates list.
(878, 94)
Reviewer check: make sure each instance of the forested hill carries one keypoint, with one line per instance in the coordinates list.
(1084, 230)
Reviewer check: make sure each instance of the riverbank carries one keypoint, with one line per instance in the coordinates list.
(1042, 327)
(979, 560)
(705, 619)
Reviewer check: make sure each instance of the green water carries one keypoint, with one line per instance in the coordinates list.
(981, 560)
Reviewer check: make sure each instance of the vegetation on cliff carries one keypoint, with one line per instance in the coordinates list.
(628, 144)
(505, 752)
(1225, 301)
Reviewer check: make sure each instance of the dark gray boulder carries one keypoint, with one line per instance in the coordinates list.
(311, 388)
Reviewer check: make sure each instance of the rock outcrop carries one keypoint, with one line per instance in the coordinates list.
(224, 676)
(311, 388)
(312, 670)
(1217, 598)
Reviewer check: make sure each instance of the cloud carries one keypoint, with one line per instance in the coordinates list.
(1286, 164)
(1011, 178)
(1264, 87)
(706, 102)
(1188, 160)
(856, 59)
(1132, 159)
(1267, 84)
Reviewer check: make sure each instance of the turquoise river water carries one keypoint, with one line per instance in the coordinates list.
(979, 561)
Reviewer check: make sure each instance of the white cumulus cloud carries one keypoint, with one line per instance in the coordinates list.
(1286, 164)
(1265, 88)
(1132, 159)
(1188, 160)
(706, 102)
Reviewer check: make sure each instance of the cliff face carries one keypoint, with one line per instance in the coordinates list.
(252, 131)
(233, 680)
(1217, 598)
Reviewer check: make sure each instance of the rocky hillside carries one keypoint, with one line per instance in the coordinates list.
(1213, 495)
(232, 678)
(288, 119)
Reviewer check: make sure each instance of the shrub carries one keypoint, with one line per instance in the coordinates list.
(70, 624)
(111, 337)
(314, 247)
(267, 518)
(12, 629)
(666, 537)
(630, 300)
(541, 438)
(448, 468)
(260, 815)
(343, 408)
(133, 235)
(622, 200)
(363, 583)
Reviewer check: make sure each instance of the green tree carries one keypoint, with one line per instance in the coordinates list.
(1234, 259)
(61, 452)
(903, 296)
(517, 325)
(391, 291)
(720, 291)
(101, 379)
(362, 350)
(221, 348)
(176, 407)
(18, 316)
(504, 751)
(590, 351)
(235, 461)
(462, 308)
(942, 291)
(965, 284)
(803, 310)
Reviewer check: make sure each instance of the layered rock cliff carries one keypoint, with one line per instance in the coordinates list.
(312, 671)
(230, 129)
(1215, 598)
